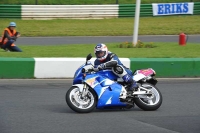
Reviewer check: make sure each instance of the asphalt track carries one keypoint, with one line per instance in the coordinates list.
(38, 106)
(101, 39)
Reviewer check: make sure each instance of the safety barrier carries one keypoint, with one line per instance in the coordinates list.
(78, 11)
(61, 67)
(17, 67)
(69, 11)
(169, 67)
(65, 67)
(128, 10)
(10, 11)
(197, 8)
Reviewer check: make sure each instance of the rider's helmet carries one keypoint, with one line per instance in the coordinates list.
(101, 51)
(12, 24)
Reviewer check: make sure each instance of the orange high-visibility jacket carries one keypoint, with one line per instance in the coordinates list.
(3, 40)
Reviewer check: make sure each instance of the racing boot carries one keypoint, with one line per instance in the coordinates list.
(132, 85)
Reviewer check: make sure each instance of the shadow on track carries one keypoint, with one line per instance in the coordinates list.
(60, 108)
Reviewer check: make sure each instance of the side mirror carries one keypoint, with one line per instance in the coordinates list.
(88, 57)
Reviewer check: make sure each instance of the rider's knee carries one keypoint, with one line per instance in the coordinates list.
(119, 70)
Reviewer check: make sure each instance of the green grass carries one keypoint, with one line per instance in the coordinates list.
(169, 25)
(80, 2)
(162, 50)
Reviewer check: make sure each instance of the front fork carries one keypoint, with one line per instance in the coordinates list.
(85, 91)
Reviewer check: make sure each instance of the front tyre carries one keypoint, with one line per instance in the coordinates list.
(151, 101)
(80, 104)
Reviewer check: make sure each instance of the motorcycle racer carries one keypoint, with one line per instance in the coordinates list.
(103, 57)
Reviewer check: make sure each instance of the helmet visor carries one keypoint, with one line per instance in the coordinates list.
(100, 54)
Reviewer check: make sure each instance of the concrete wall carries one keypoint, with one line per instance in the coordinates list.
(66, 67)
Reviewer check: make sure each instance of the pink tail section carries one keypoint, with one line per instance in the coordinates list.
(146, 72)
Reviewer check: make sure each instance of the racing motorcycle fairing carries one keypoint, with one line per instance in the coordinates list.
(108, 91)
(106, 73)
(146, 75)
(146, 72)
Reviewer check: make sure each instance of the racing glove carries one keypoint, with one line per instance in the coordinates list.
(101, 66)
(108, 64)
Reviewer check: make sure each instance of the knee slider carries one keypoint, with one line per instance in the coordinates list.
(118, 69)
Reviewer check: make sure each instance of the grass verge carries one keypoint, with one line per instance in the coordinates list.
(168, 25)
(161, 50)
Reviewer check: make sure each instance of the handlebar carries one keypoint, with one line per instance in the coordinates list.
(90, 70)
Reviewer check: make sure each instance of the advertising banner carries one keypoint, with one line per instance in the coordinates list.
(172, 8)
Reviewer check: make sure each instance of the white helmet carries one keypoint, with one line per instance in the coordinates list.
(101, 51)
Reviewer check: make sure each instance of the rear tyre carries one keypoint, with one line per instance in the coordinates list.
(149, 102)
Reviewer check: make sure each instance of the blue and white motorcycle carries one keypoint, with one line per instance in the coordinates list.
(94, 89)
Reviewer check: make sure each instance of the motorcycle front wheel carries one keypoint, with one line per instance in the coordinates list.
(151, 101)
(80, 104)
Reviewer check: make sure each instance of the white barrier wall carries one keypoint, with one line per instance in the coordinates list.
(62, 67)
(69, 11)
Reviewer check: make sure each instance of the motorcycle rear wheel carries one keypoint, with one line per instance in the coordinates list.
(78, 104)
(151, 102)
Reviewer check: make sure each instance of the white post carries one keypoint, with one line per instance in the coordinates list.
(136, 22)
